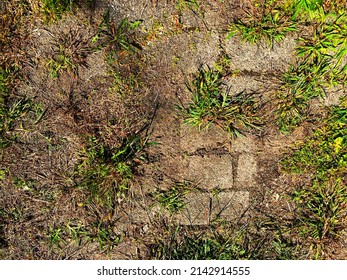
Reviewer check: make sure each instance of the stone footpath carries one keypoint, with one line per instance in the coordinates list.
(222, 180)
(208, 162)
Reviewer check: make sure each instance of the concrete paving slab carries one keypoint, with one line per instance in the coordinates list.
(196, 211)
(192, 139)
(209, 171)
(202, 208)
(229, 205)
(246, 171)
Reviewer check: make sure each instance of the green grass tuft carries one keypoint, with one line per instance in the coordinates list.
(118, 36)
(107, 172)
(321, 65)
(269, 23)
(53, 10)
(173, 198)
(321, 202)
(211, 103)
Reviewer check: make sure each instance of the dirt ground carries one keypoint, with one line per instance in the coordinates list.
(45, 215)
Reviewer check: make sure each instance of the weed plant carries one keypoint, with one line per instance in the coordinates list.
(10, 110)
(306, 9)
(229, 243)
(120, 41)
(56, 240)
(322, 201)
(14, 109)
(120, 37)
(300, 84)
(59, 63)
(3, 86)
(235, 114)
(325, 152)
(183, 245)
(313, 10)
(273, 20)
(192, 5)
(12, 19)
(292, 110)
(124, 84)
(173, 199)
(320, 210)
(53, 10)
(327, 41)
(106, 237)
(76, 234)
(321, 65)
(268, 22)
(107, 172)
(70, 52)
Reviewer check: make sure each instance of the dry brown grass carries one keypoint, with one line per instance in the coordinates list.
(79, 175)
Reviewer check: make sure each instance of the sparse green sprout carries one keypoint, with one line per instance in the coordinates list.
(9, 116)
(290, 113)
(224, 66)
(106, 237)
(56, 239)
(77, 232)
(123, 85)
(25, 185)
(4, 75)
(173, 198)
(3, 174)
(39, 112)
(60, 63)
(189, 4)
